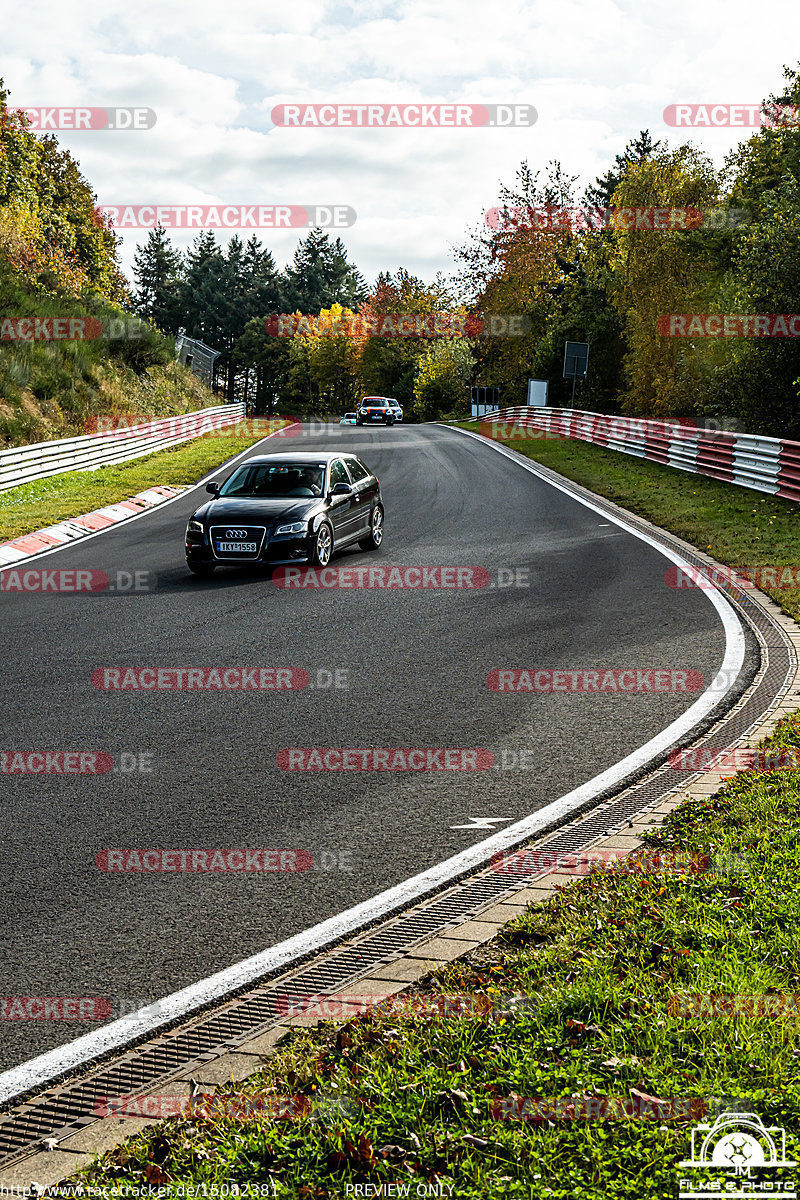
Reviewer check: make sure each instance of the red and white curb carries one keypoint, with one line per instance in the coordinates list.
(79, 527)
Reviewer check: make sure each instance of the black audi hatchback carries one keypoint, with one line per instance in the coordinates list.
(283, 508)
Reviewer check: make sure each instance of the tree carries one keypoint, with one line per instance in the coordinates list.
(158, 268)
(49, 225)
(517, 269)
(389, 366)
(770, 156)
(443, 378)
(580, 312)
(756, 379)
(638, 150)
(320, 275)
(662, 272)
(334, 361)
(268, 358)
(201, 288)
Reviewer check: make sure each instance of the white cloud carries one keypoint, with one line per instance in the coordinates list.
(597, 71)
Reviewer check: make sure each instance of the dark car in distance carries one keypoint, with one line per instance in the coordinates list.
(285, 508)
(373, 409)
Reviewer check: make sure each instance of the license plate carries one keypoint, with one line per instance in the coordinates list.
(237, 547)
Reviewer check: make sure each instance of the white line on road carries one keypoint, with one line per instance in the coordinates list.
(481, 822)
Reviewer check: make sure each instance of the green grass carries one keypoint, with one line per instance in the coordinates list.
(602, 961)
(736, 526)
(47, 501)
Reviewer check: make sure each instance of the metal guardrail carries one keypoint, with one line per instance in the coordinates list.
(749, 460)
(23, 464)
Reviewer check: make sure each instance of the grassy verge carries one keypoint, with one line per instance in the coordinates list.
(737, 527)
(602, 962)
(47, 501)
(51, 388)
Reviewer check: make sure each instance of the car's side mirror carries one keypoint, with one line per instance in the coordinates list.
(213, 488)
(342, 489)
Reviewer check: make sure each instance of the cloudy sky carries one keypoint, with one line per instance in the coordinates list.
(596, 71)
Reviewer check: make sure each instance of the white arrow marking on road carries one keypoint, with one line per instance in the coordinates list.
(481, 823)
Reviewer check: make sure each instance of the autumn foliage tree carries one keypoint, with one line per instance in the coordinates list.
(50, 231)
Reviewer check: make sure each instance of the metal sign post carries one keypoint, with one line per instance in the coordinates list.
(484, 399)
(576, 359)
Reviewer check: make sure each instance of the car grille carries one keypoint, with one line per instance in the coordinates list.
(225, 537)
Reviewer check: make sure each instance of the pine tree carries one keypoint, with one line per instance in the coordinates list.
(201, 290)
(320, 275)
(157, 269)
(601, 192)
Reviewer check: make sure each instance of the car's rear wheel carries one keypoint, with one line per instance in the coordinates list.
(323, 546)
(375, 536)
(204, 570)
(390, 420)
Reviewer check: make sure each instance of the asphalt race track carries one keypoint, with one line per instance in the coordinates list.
(415, 662)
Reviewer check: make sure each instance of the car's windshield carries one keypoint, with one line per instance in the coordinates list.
(276, 479)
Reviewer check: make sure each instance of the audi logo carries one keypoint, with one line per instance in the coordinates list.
(235, 533)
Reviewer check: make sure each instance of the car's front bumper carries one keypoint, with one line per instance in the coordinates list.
(277, 548)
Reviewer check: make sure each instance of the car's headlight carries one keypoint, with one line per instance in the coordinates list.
(195, 526)
(295, 527)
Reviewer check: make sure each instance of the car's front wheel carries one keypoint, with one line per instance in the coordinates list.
(375, 536)
(323, 546)
(390, 420)
(204, 570)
